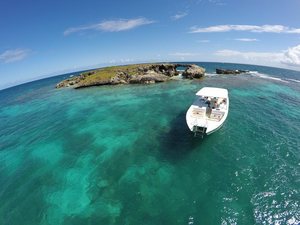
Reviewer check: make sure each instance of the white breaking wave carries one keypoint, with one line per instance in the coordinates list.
(297, 81)
(260, 75)
(264, 76)
(210, 74)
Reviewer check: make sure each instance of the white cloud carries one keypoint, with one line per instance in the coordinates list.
(111, 25)
(246, 39)
(251, 28)
(227, 53)
(179, 16)
(13, 55)
(292, 56)
(260, 58)
(289, 57)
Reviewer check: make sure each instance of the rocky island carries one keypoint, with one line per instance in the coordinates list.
(132, 74)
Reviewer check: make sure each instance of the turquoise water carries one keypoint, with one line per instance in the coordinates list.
(124, 155)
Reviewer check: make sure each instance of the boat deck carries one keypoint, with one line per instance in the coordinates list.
(203, 110)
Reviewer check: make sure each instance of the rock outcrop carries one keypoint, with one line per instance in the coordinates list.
(226, 71)
(193, 71)
(73, 80)
(131, 74)
(148, 78)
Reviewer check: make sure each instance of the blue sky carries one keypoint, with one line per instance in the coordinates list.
(44, 38)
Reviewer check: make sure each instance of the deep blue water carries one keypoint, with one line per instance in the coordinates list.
(124, 155)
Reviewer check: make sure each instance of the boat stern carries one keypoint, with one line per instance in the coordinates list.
(199, 131)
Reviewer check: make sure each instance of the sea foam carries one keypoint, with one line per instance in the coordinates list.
(265, 76)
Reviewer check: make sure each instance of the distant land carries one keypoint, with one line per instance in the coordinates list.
(132, 74)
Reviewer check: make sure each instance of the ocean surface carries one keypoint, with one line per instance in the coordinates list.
(124, 155)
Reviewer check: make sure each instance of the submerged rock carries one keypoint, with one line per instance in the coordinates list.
(227, 71)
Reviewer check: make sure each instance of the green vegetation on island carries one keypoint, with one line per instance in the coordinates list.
(131, 74)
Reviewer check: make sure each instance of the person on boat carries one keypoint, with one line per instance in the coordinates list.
(223, 104)
(208, 111)
(208, 102)
(214, 103)
(220, 100)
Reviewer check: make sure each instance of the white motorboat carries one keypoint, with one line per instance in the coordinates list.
(209, 111)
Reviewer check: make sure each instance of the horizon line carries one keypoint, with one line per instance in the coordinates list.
(94, 67)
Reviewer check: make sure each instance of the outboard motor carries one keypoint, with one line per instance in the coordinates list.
(199, 131)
